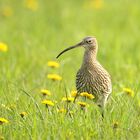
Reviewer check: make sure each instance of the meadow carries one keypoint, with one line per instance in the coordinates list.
(37, 90)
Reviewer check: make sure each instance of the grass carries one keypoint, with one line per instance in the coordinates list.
(35, 35)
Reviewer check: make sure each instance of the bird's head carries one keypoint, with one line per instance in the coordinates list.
(89, 43)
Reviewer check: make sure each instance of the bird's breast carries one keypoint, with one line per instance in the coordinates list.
(94, 81)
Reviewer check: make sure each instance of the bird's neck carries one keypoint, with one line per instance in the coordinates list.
(89, 57)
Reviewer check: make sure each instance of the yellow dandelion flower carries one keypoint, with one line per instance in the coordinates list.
(48, 103)
(128, 91)
(82, 104)
(7, 11)
(23, 114)
(3, 120)
(90, 96)
(3, 47)
(62, 110)
(45, 92)
(32, 4)
(85, 94)
(68, 99)
(115, 124)
(96, 4)
(73, 93)
(54, 77)
(53, 64)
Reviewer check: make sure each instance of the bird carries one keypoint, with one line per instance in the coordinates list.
(92, 77)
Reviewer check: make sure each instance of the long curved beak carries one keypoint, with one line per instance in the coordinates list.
(69, 48)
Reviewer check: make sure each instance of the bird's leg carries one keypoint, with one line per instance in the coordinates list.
(101, 103)
(102, 110)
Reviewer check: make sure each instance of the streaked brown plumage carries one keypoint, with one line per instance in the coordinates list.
(92, 77)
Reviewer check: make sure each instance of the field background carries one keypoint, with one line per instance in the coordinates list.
(35, 31)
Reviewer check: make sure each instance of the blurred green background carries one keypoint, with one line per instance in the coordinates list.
(35, 31)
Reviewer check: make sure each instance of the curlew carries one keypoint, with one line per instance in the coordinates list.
(92, 77)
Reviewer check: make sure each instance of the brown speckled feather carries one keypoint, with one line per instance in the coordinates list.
(96, 81)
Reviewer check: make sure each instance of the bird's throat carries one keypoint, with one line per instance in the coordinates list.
(89, 57)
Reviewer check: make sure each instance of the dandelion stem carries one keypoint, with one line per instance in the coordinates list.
(67, 104)
(34, 102)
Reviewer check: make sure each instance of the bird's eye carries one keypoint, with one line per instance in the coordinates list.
(89, 41)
